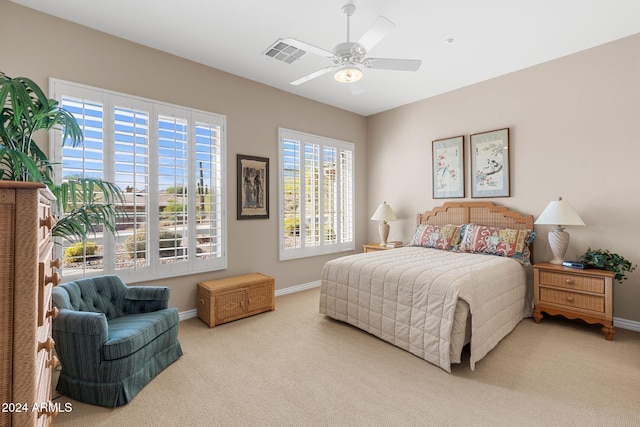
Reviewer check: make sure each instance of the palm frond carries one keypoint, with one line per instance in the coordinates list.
(77, 224)
(15, 165)
(77, 192)
(84, 204)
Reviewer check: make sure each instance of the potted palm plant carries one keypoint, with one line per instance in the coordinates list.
(82, 204)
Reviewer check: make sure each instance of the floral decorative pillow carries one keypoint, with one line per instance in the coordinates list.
(498, 241)
(434, 236)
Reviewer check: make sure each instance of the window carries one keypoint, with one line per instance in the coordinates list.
(316, 195)
(169, 162)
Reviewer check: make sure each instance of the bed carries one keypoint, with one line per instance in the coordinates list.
(465, 278)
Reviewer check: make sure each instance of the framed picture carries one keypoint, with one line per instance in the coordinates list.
(448, 168)
(490, 169)
(253, 187)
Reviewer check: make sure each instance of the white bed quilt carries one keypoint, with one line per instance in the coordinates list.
(408, 297)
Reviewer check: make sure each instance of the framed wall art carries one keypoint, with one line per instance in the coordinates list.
(448, 168)
(253, 187)
(490, 169)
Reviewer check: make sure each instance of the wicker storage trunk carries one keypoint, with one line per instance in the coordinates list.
(232, 298)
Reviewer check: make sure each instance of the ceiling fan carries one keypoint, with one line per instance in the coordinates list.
(349, 58)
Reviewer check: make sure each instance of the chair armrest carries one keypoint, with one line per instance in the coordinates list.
(79, 338)
(142, 299)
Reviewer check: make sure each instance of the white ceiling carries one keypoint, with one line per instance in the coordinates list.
(491, 38)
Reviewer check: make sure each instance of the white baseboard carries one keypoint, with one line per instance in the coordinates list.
(618, 322)
(631, 325)
(298, 288)
(184, 315)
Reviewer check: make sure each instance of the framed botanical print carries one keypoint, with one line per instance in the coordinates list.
(448, 168)
(490, 169)
(253, 187)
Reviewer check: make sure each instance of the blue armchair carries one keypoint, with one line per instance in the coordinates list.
(112, 339)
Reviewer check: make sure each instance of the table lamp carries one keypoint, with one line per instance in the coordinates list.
(559, 213)
(384, 213)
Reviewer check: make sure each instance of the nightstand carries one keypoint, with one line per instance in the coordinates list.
(574, 293)
(373, 247)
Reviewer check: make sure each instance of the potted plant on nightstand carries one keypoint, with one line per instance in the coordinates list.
(86, 203)
(606, 260)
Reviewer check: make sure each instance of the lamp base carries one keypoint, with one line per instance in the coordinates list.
(383, 229)
(559, 242)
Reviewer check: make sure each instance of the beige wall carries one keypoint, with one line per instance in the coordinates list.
(575, 130)
(42, 47)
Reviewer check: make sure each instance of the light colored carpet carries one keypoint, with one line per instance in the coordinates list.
(295, 367)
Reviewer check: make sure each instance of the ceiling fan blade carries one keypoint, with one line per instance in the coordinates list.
(392, 64)
(376, 32)
(308, 47)
(311, 76)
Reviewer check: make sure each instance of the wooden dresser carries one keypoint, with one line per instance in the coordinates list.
(575, 294)
(232, 298)
(26, 278)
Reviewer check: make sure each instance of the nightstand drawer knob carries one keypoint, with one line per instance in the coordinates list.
(570, 299)
(569, 282)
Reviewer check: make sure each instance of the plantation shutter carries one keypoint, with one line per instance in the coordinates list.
(169, 161)
(316, 187)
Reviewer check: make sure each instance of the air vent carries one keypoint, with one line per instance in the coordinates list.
(284, 52)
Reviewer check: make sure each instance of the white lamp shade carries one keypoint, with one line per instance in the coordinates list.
(559, 212)
(384, 213)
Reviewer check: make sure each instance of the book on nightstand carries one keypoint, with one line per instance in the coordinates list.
(394, 244)
(576, 264)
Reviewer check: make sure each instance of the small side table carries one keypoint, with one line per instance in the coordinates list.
(574, 293)
(373, 247)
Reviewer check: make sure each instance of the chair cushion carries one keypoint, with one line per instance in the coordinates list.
(130, 333)
(100, 294)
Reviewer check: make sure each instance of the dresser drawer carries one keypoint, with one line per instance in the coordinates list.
(46, 220)
(593, 303)
(572, 281)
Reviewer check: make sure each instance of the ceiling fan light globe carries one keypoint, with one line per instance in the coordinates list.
(348, 74)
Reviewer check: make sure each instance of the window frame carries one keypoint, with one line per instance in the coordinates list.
(345, 235)
(156, 269)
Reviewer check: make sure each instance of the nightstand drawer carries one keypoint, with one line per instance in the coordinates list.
(572, 299)
(572, 281)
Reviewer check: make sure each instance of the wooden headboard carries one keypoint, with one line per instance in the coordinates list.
(482, 213)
